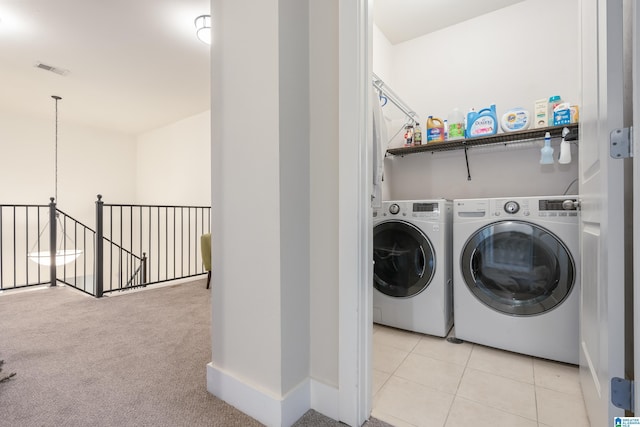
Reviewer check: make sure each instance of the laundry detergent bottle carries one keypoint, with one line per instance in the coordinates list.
(482, 123)
(455, 122)
(435, 130)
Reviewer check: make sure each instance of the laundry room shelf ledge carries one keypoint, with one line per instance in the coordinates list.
(501, 138)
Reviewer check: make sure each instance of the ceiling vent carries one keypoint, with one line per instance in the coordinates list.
(56, 70)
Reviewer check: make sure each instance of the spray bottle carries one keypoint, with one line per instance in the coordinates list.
(565, 149)
(546, 153)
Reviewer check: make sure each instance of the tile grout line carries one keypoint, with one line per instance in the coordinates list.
(535, 390)
(392, 374)
(455, 395)
(537, 386)
(468, 368)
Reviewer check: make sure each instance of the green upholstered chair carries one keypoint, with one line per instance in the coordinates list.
(205, 249)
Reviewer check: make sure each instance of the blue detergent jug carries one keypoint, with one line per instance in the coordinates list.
(482, 123)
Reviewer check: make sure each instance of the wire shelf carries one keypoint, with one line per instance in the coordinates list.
(492, 140)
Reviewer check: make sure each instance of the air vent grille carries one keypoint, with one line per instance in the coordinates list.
(53, 69)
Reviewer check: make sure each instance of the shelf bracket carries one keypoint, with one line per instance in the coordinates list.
(466, 159)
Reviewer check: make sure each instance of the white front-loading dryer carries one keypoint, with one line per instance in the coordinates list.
(517, 275)
(412, 285)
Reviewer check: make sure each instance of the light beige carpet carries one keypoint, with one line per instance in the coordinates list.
(135, 359)
(131, 360)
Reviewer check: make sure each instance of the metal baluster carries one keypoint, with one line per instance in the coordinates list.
(99, 270)
(52, 242)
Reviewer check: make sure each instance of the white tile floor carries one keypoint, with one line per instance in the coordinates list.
(420, 380)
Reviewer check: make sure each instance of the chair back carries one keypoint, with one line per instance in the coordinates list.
(205, 248)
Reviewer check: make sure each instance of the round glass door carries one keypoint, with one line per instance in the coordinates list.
(517, 268)
(404, 259)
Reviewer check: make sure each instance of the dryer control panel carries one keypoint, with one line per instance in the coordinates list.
(425, 209)
(413, 209)
(535, 207)
(558, 207)
(555, 208)
(570, 204)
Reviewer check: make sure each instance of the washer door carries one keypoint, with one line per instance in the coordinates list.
(517, 268)
(404, 259)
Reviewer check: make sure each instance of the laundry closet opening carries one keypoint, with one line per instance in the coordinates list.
(521, 211)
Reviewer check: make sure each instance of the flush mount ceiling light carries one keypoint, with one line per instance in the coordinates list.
(203, 28)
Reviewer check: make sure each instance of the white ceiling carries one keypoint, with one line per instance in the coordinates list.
(134, 65)
(402, 20)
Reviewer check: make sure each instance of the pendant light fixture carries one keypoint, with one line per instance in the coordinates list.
(62, 256)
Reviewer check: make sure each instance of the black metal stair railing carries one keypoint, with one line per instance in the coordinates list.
(20, 227)
(28, 254)
(73, 235)
(132, 246)
(168, 236)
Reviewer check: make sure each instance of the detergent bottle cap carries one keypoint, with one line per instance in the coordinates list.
(554, 98)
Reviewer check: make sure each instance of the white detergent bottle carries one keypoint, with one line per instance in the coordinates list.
(466, 122)
(455, 124)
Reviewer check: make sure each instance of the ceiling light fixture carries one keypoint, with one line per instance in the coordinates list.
(53, 69)
(203, 28)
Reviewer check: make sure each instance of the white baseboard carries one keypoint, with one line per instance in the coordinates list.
(325, 399)
(269, 409)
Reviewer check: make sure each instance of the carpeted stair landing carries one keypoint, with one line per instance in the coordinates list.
(131, 359)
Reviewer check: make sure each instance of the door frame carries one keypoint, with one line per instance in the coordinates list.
(636, 200)
(355, 267)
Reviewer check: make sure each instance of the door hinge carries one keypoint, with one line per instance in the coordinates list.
(622, 393)
(621, 143)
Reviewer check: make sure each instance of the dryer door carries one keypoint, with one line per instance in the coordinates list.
(517, 268)
(404, 259)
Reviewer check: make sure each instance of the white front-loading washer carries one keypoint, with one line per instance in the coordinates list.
(412, 283)
(517, 275)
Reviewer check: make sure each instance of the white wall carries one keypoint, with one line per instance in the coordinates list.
(324, 190)
(240, 329)
(90, 161)
(510, 57)
(167, 165)
(293, 22)
(174, 163)
(382, 59)
(260, 185)
(275, 265)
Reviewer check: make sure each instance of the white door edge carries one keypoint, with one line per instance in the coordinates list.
(636, 201)
(354, 213)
